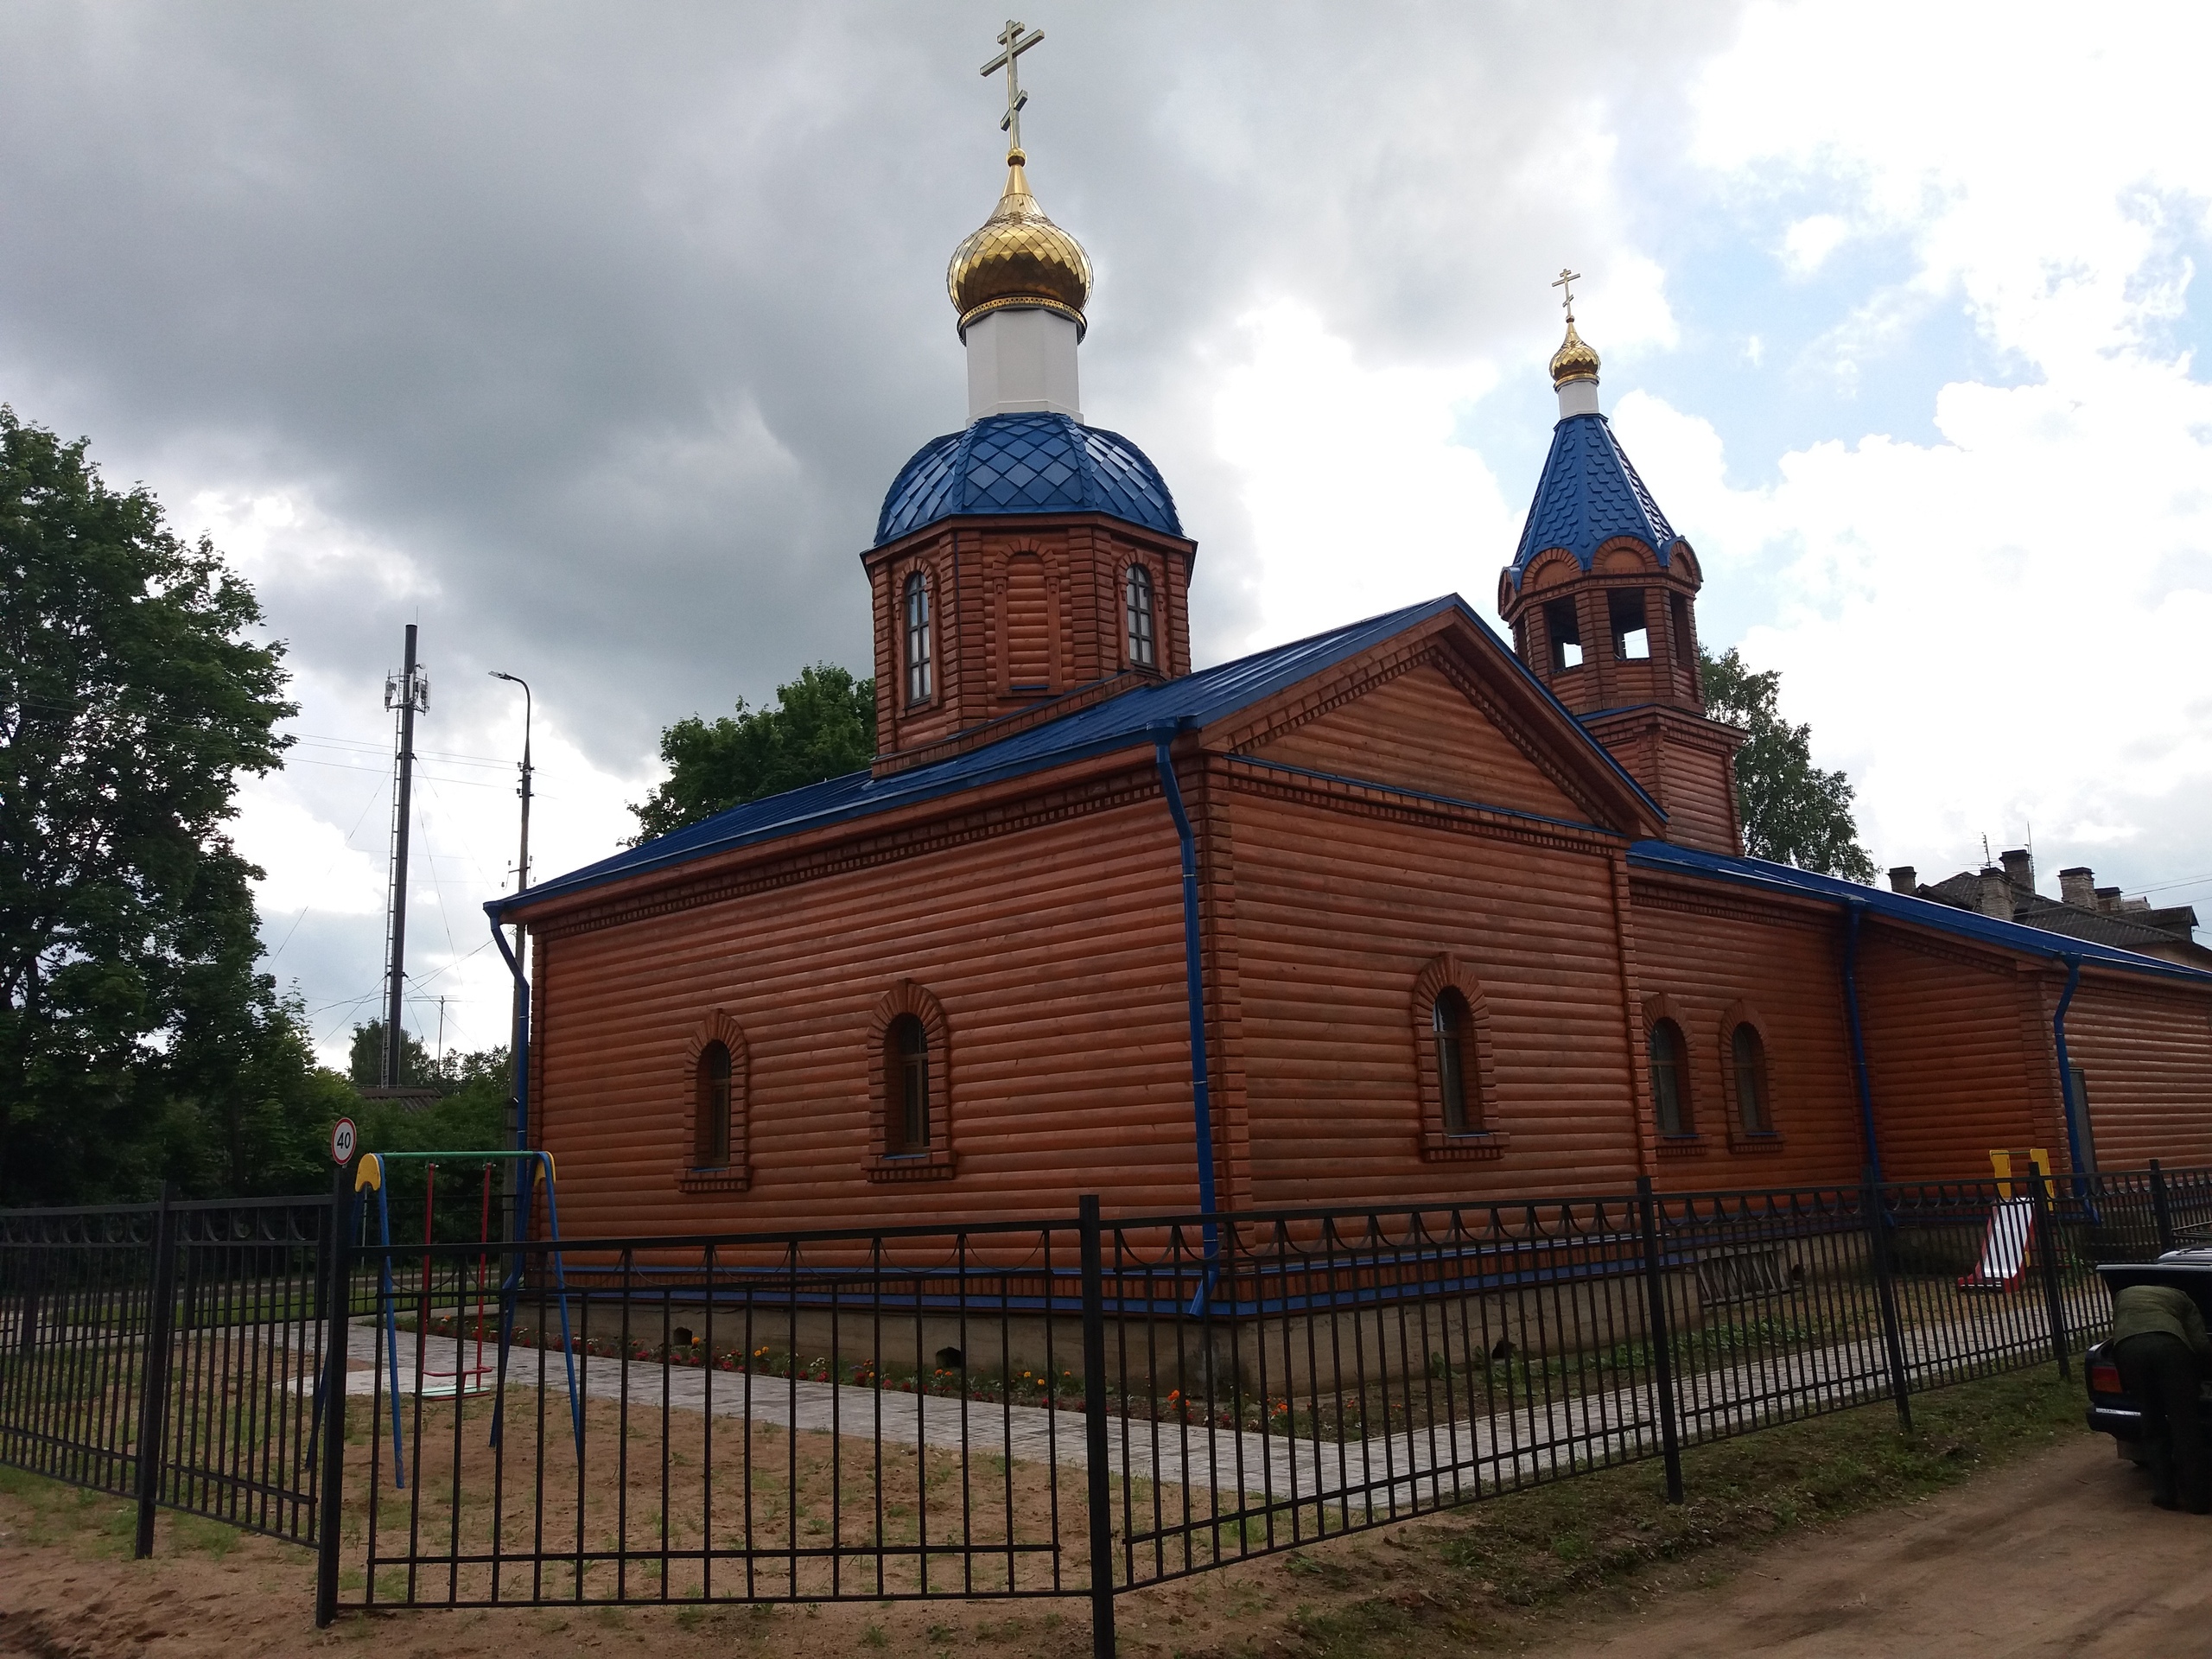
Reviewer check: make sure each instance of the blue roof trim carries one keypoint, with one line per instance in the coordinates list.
(1118, 722)
(1590, 493)
(1901, 908)
(1037, 462)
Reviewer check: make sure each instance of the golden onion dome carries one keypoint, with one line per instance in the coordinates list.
(1574, 360)
(1018, 257)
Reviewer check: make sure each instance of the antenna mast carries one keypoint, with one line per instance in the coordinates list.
(409, 693)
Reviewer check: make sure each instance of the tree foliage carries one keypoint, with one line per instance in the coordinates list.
(470, 1117)
(137, 1039)
(822, 726)
(1793, 812)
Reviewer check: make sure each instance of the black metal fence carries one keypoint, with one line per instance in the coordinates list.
(169, 1352)
(1064, 1408)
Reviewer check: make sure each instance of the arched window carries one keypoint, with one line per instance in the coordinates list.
(907, 1067)
(1454, 1033)
(1454, 1070)
(918, 639)
(1670, 1082)
(711, 1119)
(1136, 596)
(1748, 1049)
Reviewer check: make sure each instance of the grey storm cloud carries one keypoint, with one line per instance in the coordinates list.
(611, 324)
(618, 321)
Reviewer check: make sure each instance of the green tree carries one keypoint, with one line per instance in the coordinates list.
(470, 1118)
(1793, 812)
(134, 696)
(822, 726)
(365, 1061)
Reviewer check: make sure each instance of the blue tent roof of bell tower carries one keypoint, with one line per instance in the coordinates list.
(1588, 494)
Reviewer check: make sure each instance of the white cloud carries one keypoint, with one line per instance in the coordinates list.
(1359, 499)
(2006, 627)
(305, 860)
(1807, 243)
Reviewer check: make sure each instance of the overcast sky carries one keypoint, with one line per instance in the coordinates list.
(590, 338)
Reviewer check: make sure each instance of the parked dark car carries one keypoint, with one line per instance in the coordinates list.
(2111, 1411)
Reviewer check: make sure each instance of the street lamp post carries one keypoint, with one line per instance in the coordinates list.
(515, 1026)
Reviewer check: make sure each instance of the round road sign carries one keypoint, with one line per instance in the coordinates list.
(343, 1136)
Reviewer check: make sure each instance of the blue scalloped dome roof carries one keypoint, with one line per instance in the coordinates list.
(1027, 463)
(1588, 494)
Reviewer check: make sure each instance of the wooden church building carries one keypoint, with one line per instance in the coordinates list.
(1395, 913)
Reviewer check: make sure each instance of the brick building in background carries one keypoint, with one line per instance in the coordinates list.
(1391, 914)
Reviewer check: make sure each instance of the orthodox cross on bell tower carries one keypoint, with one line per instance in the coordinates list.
(1565, 279)
(1014, 43)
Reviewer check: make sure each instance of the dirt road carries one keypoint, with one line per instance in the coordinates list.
(2061, 1555)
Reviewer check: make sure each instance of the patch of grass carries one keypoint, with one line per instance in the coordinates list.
(1445, 1585)
(202, 1536)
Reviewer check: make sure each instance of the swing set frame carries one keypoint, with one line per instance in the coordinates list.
(371, 1175)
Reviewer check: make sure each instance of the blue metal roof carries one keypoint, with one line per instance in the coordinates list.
(1900, 907)
(1588, 494)
(1027, 463)
(1120, 722)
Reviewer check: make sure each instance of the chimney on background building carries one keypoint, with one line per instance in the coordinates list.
(1996, 894)
(2107, 899)
(2078, 887)
(1904, 879)
(2020, 868)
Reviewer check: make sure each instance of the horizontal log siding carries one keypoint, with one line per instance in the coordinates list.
(2148, 1057)
(1057, 955)
(1708, 951)
(1949, 1056)
(1419, 732)
(1336, 913)
(1697, 789)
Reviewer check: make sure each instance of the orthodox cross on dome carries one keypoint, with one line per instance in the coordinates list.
(1565, 278)
(1013, 43)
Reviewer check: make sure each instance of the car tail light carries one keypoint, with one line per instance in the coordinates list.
(2104, 1378)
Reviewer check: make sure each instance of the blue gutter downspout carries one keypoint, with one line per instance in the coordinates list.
(1853, 914)
(2066, 1071)
(1194, 987)
(522, 1087)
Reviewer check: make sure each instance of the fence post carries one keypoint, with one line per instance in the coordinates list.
(2047, 1247)
(154, 1374)
(1661, 1338)
(1885, 1296)
(337, 1305)
(1094, 1431)
(34, 1284)
(2162, 1217)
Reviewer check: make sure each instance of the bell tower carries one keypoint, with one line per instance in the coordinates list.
(1602, 599)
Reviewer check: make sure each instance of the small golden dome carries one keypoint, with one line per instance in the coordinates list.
(1018, 257)
(1574, 360)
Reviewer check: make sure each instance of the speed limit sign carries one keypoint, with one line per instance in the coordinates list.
(343, 1135)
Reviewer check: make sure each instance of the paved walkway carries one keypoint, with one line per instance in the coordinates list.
(1224, 1472)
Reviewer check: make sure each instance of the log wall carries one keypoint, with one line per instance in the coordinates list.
(1340, 905)
(1957, 1054)
(2146, 1054)
(1055, 952)
(1719, 957)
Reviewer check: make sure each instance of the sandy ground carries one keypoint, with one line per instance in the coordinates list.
(2063, 1554)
